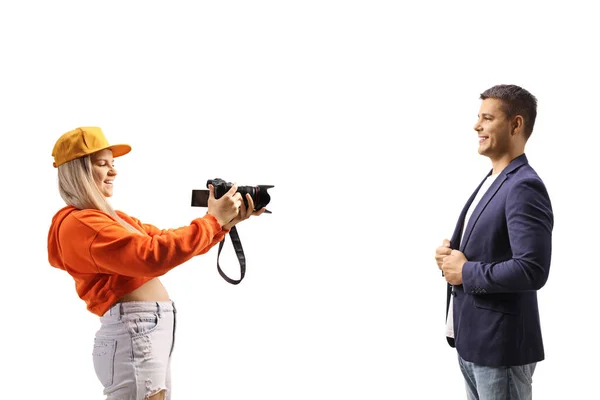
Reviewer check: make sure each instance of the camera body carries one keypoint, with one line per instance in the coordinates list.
(258, 193)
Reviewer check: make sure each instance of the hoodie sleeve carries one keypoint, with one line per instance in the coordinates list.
(114, 249)
(153, 230)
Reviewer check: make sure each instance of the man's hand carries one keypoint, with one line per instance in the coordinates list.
(441, 252)
(452, 266)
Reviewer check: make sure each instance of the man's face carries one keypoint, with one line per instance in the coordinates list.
(493, 129)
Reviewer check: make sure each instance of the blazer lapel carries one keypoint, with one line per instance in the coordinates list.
(480, 207)
(455, 239)
(488, 195)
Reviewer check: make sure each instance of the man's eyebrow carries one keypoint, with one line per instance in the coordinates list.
(485, 115)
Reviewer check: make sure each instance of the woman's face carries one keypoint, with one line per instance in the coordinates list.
(104, 171)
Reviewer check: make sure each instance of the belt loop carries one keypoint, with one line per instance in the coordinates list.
(158, 308)
(121, 312)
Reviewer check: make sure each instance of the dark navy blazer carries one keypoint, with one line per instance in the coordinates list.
(508, 243)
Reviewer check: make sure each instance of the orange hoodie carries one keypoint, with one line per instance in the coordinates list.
(107, 261)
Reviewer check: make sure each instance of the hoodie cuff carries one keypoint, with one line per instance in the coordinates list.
(214, 223)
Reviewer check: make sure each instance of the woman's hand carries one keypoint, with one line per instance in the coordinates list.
(225, 208)
(244, 212)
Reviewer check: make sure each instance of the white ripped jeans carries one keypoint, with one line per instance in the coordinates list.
(132, 349)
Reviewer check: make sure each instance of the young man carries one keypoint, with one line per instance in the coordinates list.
(499, 256)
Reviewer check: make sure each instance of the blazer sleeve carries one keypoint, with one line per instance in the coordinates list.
(115, 249)
(530, 221)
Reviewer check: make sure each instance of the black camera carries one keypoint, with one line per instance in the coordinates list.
(259, 196)
(258, 193)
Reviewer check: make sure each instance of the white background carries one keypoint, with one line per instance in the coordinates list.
(360, 113)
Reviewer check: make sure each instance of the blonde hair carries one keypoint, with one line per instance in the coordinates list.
(78, 189)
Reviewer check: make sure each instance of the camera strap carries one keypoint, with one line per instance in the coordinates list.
(237, 245)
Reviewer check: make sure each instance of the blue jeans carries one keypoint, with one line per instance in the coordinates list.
(497, 383)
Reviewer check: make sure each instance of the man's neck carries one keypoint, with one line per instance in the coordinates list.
(498, 164)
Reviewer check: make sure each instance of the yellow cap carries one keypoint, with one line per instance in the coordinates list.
(83, 141)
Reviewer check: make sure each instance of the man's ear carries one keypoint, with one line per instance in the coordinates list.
(518, 125)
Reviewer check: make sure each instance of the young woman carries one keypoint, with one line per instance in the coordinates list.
(116, 261)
